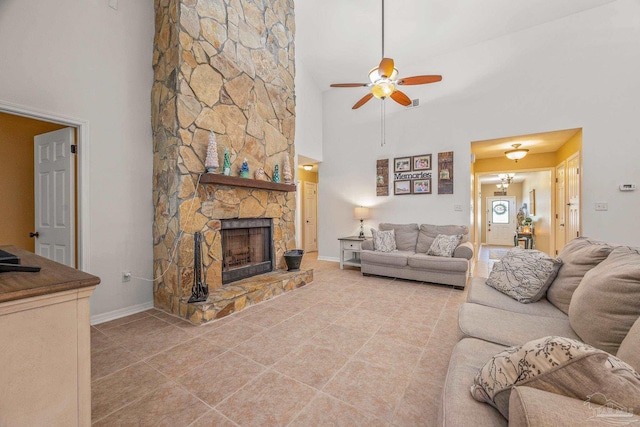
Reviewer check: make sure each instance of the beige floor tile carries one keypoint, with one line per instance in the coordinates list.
(390, 354)
(110, 360)
(213, 418)
(301, 327)
(268, 347)
(361, 319)
(114, 391)
(149, 344)
(311, 365)
(184, 357)
(99, 341)
(136, 329)
(415, 334)
(168, 405)
(341, 339)
(271, 399)
(163, 315)
(368, 387)
(419, 405)
(219, 378)
(121, 321)
(325, 410)
(267, 317)
(233, 333)
(326, 310)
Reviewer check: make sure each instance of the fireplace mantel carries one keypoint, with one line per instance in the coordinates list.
(214, 178)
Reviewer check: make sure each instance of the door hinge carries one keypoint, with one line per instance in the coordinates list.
(74, 149)
(577, 171)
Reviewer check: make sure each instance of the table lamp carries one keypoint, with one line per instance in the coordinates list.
(361, 213)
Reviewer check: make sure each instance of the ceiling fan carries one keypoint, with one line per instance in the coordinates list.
(383, 80)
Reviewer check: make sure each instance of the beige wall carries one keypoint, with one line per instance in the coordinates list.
(17, 216)
(487, 190)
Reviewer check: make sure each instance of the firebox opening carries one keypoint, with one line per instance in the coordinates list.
(247, 248)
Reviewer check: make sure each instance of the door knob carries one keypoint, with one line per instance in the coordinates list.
(36, 234)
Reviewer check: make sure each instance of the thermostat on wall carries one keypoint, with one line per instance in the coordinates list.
(627, 187)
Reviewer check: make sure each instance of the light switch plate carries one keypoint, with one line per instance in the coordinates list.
(602, 206)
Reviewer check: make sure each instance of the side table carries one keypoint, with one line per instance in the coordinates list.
(352, 245)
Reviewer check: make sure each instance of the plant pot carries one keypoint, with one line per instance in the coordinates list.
(293, 259)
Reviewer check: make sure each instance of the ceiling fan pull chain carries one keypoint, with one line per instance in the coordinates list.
(383, 124)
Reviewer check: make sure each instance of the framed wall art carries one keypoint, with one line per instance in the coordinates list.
(445, 173)
(421, 163)
(421, 186)
(402, 187)
(402, 164)
(382, 177)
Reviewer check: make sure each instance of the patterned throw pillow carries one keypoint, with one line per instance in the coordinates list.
(524, 274)
(444, 245)
(383, 241)
(560, 365)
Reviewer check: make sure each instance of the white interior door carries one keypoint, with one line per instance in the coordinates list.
(54, 196)
(573, 197)
(501, 220)
(310, 216)
(560, 206)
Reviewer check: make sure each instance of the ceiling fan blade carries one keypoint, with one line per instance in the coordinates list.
(385, 69)
(419, 80)
(348, 84)
(401, 98)
(362, 101)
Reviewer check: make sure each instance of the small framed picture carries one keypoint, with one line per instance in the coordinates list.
(402, 187)
(422, 186)
(421, 163)
(402, 164)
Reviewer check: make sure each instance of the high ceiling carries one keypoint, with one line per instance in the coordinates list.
(338, 41)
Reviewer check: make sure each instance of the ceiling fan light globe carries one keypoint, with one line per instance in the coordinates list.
(374, 75)
(382, 90)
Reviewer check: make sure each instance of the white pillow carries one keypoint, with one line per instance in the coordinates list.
(559, 365)
(444, 245)
(384, 241)
(524, 274)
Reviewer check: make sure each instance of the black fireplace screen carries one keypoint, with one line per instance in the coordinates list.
(247, 248)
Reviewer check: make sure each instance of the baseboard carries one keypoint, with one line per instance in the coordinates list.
(328, 258)
(122, 312)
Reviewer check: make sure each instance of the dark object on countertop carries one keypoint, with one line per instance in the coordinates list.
(7, 258)
(17, 267)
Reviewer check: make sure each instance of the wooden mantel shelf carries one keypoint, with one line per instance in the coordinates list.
(214, 178)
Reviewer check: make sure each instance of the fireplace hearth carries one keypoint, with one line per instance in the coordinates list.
(247, 248)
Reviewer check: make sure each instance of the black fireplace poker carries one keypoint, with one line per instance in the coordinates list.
(199, 290)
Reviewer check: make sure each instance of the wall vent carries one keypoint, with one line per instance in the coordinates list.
(415, 103)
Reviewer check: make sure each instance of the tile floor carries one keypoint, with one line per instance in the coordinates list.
(346, 350)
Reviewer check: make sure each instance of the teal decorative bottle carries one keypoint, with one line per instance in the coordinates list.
(244, 170)
(226, 166)
(276, 174)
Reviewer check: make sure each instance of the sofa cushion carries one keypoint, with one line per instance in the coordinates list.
(406, 235)
(395, 259)
(524, 274)
(532, 407)
(436, 263)
(458, 408)
(508, 328)
(444, 245)
(578, 256)
(428, 233)
(629, 350)
(560, 365)
(606, 304)
(383, 241)
(480, 293)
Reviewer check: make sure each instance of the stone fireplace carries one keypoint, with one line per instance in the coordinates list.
(227, 67)
(247, 248)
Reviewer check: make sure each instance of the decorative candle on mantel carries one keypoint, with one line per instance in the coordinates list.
(211, 162)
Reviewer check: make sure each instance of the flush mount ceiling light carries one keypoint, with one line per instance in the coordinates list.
(517, 153)
(307, 167)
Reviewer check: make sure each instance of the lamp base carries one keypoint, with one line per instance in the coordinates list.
(361, 235)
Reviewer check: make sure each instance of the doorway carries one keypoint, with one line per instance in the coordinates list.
(307, 204)
(500, 220)
(17, 157)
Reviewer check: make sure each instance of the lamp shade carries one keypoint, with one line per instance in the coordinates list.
(361, 212)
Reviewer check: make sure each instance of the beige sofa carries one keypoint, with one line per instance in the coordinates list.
(490, 321)
(411, 261)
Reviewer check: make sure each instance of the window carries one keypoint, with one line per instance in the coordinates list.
(500, 212)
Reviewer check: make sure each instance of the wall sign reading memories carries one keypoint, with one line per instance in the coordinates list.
(411, 175)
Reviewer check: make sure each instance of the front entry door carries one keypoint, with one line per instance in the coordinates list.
(54, 196)
(501, 220)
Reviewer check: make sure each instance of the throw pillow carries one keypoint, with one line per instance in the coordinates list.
(383, 241)
(429, 232)
(559, 365)
(524, 274)
(578, 256)
(606, 304)
(444, 245)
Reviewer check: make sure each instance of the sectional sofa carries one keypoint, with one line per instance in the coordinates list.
(410, 260)
(595, 298)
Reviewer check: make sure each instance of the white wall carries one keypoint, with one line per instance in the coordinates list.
(308, 138)
(579, 71)
(83, 60)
